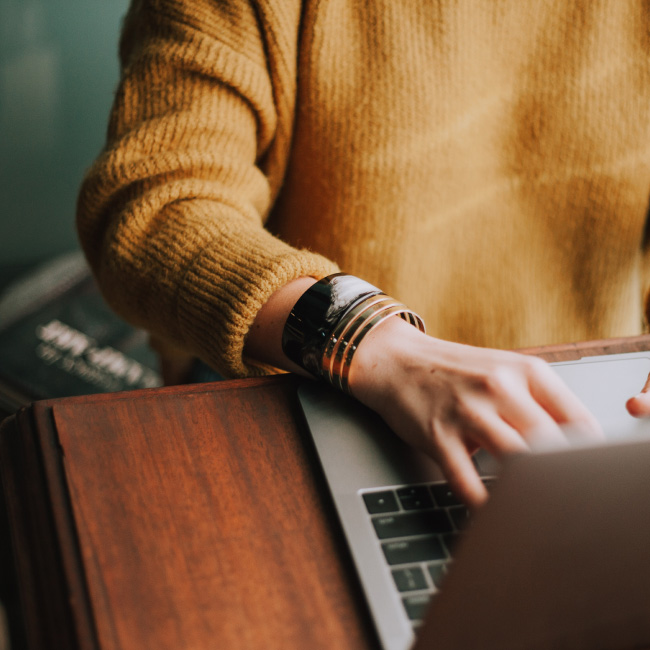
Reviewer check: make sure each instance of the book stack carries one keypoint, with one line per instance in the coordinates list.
(58, 338)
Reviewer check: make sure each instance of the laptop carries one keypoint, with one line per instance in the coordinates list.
(559, 557)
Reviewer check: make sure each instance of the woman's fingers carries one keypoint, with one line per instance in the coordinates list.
(519, 404)
(639, 405)
(486, 428)
(529, 419)
(521, 396)
(561, 404)
(459, 470)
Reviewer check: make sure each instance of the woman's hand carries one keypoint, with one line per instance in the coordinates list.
(449, 399)
(639, 405)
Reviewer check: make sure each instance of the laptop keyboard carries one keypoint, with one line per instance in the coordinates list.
(418, 527)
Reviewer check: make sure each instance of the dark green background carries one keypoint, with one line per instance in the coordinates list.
(58, 72)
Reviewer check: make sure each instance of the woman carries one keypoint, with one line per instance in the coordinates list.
(486, 164)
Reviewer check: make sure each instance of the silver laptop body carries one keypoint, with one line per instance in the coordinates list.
(362, 459)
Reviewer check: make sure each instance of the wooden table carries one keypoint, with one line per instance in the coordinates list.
(187, 518)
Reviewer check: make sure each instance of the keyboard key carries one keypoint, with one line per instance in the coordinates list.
(416, 606)
(410, 551)
(437, 572)
(444, 496)
(409, 579)
(415, 497)
(378, 502)
(460, 517)
(426, 522)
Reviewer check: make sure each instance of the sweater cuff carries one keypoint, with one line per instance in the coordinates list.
(219, 300)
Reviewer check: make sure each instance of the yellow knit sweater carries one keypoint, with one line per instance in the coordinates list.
(487, 163)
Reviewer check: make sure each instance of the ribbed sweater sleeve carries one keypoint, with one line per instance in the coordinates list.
(171, 214)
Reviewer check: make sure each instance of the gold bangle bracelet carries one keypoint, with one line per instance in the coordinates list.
(345, 330)
(346, 340)
(329, 321)
(341, 331)
(402, 311)
(353, 327)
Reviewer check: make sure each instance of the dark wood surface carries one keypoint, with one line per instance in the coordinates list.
(190, 517)
(178, 518)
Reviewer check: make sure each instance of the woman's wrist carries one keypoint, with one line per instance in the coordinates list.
(382, 357)
(331, 319)
(347, 336)
(314, 336)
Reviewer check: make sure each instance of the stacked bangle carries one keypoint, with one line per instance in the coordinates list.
(329, 321)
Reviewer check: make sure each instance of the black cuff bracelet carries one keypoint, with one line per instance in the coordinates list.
(315, 315)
